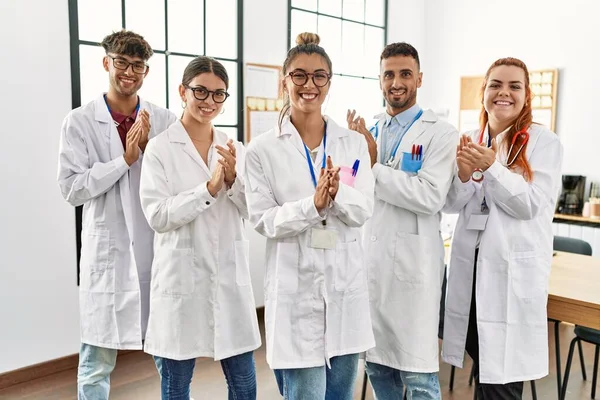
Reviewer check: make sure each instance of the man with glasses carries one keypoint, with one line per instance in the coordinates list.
(100, 159)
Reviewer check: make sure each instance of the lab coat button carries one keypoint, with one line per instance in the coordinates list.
(373, 238)
(208, 203)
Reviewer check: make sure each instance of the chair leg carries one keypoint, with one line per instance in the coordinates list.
(452, 372)
(533, 391)
(364, 386)
(595, 376)
(563, 392)
(557, 349)
(472, 375)
(581, 361)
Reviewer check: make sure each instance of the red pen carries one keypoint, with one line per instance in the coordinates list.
(412, 153)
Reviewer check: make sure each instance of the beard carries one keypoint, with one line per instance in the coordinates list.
(411, 96)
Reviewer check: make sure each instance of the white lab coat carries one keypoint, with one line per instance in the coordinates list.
(201, 300)
(405, 251)
(316, 301)
(116, 241)
(513, 266)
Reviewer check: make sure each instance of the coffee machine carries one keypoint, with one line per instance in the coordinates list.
(571, 199)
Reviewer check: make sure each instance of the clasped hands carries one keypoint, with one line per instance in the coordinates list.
(327, 186)
(471, 156)
(224, 173)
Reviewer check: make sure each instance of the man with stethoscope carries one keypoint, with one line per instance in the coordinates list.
(100, 159)
(412, 155)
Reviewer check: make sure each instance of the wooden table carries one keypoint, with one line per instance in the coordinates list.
(575, 289)
(576, 218)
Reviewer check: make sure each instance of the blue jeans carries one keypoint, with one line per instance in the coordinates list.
(93, 373)
(176, 377)
(388, 383)
(320, 383)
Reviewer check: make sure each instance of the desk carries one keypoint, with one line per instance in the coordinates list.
(574, 294)
(576, 219)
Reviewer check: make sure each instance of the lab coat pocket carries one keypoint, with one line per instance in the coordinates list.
(409, 164)
(288, 260)
(411, 258)
(529, 278)
(242, 266)
(348, 269)
(96, 252)
(175, 271)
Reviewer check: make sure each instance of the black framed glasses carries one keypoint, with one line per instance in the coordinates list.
(123, 64)
(319, 78)
(202, 93)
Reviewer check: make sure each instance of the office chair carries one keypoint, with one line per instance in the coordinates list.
(584, 334)
(576, 246)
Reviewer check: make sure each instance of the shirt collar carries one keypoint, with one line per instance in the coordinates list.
(486, 133)
(404, 118)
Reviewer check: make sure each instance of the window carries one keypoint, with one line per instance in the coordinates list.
(353, 32)
(177, 30)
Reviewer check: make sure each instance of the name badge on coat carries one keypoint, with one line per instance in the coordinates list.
(477, 222)
(323, 239)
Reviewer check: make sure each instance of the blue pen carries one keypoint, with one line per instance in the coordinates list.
(420, 152)
(355, 167)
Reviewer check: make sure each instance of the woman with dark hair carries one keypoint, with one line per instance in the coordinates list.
(505, 188)
(193, 195)
(317, 317)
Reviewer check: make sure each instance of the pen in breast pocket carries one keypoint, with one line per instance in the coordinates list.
(355, 167)
(413, 152)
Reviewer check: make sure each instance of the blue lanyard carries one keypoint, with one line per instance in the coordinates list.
(309, 159)
(393, 155)
(137, 109)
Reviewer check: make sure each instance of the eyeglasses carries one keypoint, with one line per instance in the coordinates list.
(202, 93)
(320, 78)
(123, 64)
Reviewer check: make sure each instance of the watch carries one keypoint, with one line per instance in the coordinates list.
(477, 175)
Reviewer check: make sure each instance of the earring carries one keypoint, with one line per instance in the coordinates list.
(183, 104)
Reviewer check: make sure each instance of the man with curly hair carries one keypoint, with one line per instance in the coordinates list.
(100, 159)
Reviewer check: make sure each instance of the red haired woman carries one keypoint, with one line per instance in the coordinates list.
(505, 188)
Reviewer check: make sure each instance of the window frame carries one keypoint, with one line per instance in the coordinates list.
(342, 19)
(75, 42)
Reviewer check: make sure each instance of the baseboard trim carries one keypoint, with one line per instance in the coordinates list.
(43, 369)
(32, 372)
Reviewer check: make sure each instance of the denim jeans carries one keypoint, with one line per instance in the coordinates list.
(388, 383)
(176, 377)
(93, 373)
(320, 383)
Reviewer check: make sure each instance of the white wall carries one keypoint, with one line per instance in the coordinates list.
(406, 23)
(38, 291)
(464, 37)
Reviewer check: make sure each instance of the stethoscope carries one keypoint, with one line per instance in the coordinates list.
(477, 175)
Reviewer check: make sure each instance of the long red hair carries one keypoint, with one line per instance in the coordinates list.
(521, 123)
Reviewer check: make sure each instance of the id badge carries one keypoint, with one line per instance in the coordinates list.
(323, 238)
(477, 222)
